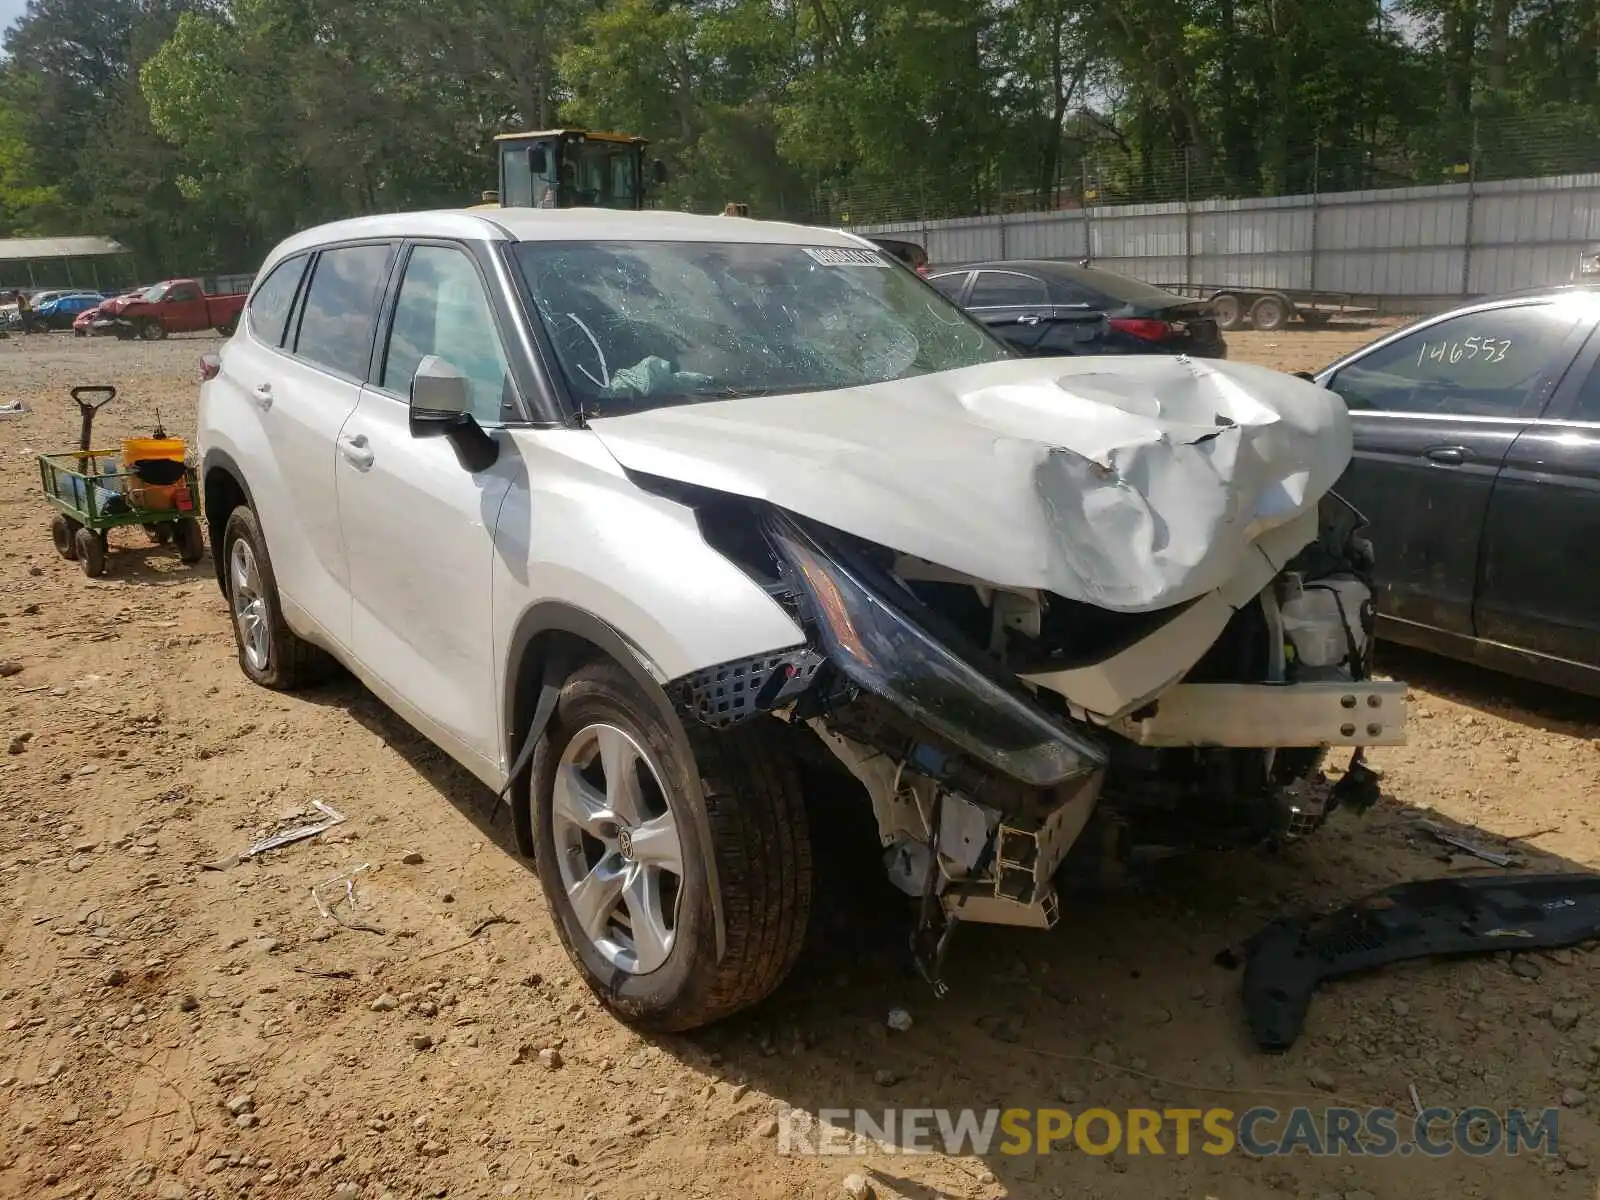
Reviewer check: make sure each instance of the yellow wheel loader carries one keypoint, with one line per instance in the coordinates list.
(573, 168)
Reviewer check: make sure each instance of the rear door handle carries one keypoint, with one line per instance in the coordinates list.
(1449, 456)
(1029, 319)
(261, 396)
(355, 451)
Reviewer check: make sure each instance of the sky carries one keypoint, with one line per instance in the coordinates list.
(10, 10)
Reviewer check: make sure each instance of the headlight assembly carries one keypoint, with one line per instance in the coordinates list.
(880, 649)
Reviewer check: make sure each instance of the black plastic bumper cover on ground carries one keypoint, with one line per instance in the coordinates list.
(1477, 915)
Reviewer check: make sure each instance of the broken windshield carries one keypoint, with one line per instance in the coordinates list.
(653, 323)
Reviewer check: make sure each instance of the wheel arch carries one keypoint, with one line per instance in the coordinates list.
(223, 489)
(550, 640)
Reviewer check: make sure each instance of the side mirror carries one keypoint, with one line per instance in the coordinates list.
(440, 394)
(441, 406)
(538, 163)
(658, 172)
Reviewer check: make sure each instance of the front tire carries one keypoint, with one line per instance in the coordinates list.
(91, 548)
(270, 653)
(622, 854)
(152, 331)
(1226, 309)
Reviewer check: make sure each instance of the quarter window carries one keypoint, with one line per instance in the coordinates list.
(1493, 363)
(1006, 289)
(341, 308)
(949, 284)
(268, 310)
(443, 309)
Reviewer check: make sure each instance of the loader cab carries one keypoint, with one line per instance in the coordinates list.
(575, 168)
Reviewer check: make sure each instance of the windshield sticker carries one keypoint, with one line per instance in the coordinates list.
(832, 257)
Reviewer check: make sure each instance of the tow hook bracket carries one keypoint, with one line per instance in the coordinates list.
(1476, 915)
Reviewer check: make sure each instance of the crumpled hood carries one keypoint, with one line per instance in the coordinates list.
(1129, 483)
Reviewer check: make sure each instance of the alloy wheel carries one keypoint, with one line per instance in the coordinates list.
(249, 606)
(617, 847)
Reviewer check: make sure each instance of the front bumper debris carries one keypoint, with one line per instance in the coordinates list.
(1242, 715)
(1483, 915)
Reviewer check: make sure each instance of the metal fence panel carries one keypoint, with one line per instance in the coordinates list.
(1047, 235)
(1434, 241)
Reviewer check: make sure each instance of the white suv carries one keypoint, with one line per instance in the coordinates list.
(646, 517)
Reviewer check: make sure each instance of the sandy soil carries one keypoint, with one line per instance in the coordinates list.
(173, 1031)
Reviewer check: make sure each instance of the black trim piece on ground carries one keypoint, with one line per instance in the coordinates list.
(1481, 914)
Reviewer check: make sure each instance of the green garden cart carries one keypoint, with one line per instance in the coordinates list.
(149, 482)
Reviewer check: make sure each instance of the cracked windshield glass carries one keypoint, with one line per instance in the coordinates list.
(641, 324)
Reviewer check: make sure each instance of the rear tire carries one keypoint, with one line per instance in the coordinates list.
(190, 540)
(64, 533)
(1269, 314)
(278, 658)
(91, 548)
(741, 784)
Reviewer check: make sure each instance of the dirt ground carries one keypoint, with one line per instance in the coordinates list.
(171, 1031)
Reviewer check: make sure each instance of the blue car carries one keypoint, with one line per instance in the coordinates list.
(60, 311)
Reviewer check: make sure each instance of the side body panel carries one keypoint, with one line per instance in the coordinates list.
(574, 529)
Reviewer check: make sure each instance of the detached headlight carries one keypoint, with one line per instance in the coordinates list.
(882, 651)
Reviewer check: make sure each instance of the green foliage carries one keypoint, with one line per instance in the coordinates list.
(200, 131)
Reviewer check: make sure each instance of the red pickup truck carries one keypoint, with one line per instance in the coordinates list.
(171, 306)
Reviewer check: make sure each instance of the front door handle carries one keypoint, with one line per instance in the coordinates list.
(261, 396)
(354, 449)
(1448, 456)
(1028, 319)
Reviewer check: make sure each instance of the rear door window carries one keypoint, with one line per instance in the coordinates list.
(949, 284)
(268, 310)
(1494, 363)
(1007, 289)
(341, 308)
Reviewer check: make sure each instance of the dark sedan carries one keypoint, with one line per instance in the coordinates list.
(1041, 306)
(1477, 461)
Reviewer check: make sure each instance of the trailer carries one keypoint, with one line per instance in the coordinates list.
(1271, 308)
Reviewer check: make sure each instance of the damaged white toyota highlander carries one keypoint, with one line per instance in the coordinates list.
(672, 529)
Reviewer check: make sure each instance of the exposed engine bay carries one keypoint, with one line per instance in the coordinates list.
(952, 702)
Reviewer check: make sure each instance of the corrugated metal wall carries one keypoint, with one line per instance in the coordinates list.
(1420, 242)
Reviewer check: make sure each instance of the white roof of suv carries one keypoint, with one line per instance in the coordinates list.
(565, 224)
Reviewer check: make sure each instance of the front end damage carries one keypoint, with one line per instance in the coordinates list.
(1056, 612)
(998, 730)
